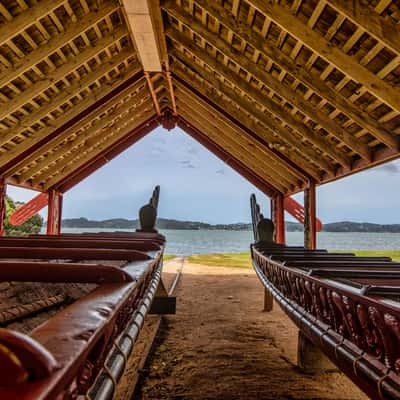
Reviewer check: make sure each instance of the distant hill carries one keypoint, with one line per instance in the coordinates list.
(165, 223)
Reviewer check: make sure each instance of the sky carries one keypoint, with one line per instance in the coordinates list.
(197, 186)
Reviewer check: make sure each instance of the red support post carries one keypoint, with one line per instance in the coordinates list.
(54, 213)
(279, 218)
(3, 211)
(310, 218)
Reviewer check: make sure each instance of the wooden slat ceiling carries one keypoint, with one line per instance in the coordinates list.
(292, 89)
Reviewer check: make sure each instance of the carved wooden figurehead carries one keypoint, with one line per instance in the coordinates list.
(147, 218)
(265, 231)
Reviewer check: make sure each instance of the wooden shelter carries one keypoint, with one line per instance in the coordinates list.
(290, 93)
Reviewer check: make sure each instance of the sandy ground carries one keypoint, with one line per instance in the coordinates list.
(220, 345)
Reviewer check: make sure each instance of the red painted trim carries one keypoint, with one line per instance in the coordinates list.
(237, 165)
(29, 209)
(106, 155)
(128, 82)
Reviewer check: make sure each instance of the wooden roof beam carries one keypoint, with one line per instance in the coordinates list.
(71, 32)
(107, 155)
(238, 147)
(198, 104)
(152, 93)
(266, 102)
(286, 93)
(250, 108)
(104, 144)
(144, 33)
(267, 159)
(231, 111)
(384, 30)
(314, 83)
(83, 137)
(27, 18)
(87, 106)
(235, 164)
(60, 99)
(344, 63)
(128, 114)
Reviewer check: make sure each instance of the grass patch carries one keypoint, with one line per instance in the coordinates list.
(230, 260)
(395, 254)
(167, 257)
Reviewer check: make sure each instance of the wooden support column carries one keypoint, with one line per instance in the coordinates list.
(54, 212)
(279, 221)
(3, 211)
(310, 218)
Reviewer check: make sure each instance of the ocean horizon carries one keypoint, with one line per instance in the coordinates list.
(188, 242)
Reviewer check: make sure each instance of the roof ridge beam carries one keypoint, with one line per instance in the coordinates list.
(288, 94)
(266, 102)
(326, 50)
(308, 79)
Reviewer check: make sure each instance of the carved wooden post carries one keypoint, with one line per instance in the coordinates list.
(279, 219)
(3, 188)
(310, 219)
(54, 213)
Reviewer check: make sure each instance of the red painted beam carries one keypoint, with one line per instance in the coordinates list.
(297, 211)
(237, 165)
(108, 154)
(125, 84)
(310, 219)
(279, 209)
(29, 209)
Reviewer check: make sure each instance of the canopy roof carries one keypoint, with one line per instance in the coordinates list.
(284, 91)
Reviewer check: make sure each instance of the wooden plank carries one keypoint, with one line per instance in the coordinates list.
(238, 152)
(37, 88)
(269, 81)
(62, 98)
(344, 63)
(72, 31)
(236, 144)
(252, 92)
(265, 132)
(308, 79)
(65, 119)
(67, 154)
(28, 18)
(239, 136)
(86, 134)
(384, 30)
(109, 142)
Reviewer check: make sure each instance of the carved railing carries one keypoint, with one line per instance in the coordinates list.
(348, 306)
(82, 350)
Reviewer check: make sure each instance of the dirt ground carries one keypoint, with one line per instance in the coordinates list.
(220, 345)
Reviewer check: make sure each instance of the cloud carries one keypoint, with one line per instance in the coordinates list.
(192, 150)
(220, 171)
(391, 168)
(190, 165)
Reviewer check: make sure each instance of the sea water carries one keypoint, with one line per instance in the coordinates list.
(187, 242)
